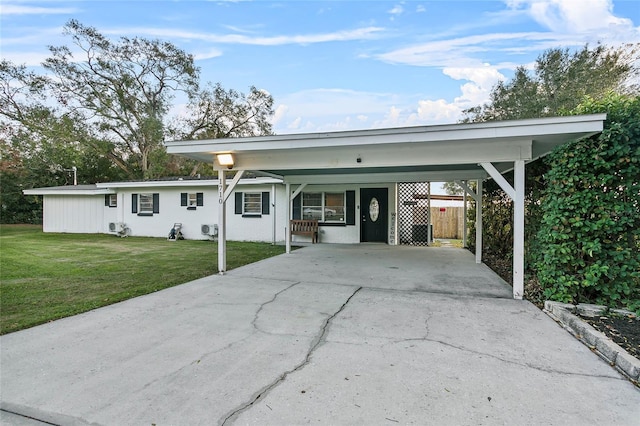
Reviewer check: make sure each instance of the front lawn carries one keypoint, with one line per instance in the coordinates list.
(44, 277)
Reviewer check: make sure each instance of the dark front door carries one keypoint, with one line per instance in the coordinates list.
(374, 211)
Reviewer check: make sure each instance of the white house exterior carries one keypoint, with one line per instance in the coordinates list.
(151, 208)
(362, 186)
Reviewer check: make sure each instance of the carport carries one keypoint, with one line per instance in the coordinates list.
(457, 152)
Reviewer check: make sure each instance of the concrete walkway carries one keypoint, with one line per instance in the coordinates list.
(331, 334)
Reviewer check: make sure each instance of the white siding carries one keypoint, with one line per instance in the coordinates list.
(349, 234)
(238, 228)
(73, 213)
(88, 214)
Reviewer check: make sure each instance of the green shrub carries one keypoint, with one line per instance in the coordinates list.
(588, 244)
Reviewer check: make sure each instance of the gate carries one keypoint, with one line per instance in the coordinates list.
(414, 213)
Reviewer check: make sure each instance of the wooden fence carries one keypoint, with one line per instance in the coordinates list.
(447, 222)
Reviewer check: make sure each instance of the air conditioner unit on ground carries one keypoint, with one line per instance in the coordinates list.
(118, 228)
(210, 230)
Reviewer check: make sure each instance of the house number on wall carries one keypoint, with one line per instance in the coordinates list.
(374, 209)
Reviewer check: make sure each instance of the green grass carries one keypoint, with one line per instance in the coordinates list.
(44, 277)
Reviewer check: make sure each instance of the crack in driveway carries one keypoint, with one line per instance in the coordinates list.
(508, 361)
(315, 344)
(273, 299)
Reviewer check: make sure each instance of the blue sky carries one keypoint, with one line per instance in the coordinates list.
(338, 65)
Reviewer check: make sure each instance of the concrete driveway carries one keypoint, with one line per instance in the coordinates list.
(331, 334)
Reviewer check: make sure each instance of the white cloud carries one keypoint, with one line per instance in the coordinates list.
(211, 53)
(438, 111)
(168, 33)
(279, 113)
(570, 15)
(335, 108)
(462, 51)
(30, 59)
(397, 10)
(14, 9)
(295, 124)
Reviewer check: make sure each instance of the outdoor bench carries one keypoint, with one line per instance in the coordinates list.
(304, 227)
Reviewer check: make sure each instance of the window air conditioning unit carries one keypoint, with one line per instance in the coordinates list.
(210, 230)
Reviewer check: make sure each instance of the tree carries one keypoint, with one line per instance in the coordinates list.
(218, 113)
(559, 82)
(122, 90)
(452, 188)
(107, 111)
(591, 225)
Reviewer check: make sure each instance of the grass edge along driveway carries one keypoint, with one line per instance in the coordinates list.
(48, 276)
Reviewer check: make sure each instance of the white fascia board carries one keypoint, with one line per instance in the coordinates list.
(185, 183)
(528, 129)
(364, 178)
(61, 191)
(458, 152)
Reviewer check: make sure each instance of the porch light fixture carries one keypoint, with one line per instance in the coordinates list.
(225, 160)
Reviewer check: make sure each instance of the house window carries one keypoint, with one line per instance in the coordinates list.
(191, 200)
(252, 203)
(111, 200)
(145, 204)
(324, 206)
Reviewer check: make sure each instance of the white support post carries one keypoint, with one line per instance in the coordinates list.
(287, 231)
(464, 218)
(518, 230)
(272, 207)
(479, 221)
(222, 223)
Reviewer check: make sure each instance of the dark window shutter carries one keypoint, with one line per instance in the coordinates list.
(200, 199)
(238, 202)
(134, 203)
(183, 199)
(297, 207)
(265, 203)
(156, 203)
(106, 200)
(351, 207)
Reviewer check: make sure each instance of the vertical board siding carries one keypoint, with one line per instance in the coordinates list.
(448, 223)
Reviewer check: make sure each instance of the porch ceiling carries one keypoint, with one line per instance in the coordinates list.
(444, 152)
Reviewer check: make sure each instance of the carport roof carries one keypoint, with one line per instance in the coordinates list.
(441, 152)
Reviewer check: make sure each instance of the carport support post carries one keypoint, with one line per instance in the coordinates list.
(223, 193)
(516, 193)
(518, 230)
(287, 238)
(464, 217)
(222, 223)
(479, 221)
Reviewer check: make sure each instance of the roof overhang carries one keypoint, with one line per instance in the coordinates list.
(69, 190)
(434, 153)
(184, 183)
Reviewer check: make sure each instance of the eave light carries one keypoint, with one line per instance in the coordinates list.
(225, 160)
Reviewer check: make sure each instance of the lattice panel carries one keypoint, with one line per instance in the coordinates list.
(414, 213)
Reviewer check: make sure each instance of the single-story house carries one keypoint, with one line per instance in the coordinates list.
(256, 213)
(361, 186)
(380, 169)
